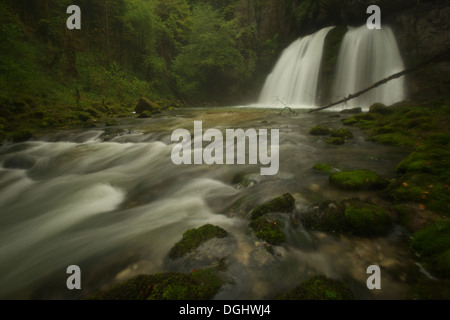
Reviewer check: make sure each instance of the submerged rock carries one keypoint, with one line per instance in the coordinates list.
(319, 288)
(336, 141)
(341, 133)
(325, 168)
(319, 131)
(23, 162)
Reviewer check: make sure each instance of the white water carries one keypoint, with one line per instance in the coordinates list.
(366, 57)
(295, 77)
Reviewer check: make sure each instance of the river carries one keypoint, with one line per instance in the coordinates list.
(111, 201)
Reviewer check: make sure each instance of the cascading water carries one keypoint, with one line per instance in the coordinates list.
(295, 77)
(366, 57)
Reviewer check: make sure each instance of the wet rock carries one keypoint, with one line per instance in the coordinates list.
(379, 108)
(353, 110)
(341, 133)
(193, 238)
(282, 204)
(269, 230)
(319, 131)
(336, 141)
(325, 168)
(24, 162)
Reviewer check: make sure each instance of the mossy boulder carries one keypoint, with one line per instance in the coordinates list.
(324, 168)
(319, 288)
(422, 188)
(432, 243)
(198, 285)
(365, 219)
(342, 133)
(319, 131)
(145, 115)
(358, 180)
(281, 204)
(352, 110)
(327, 216)
(352, 217)
(193, 238)
(111, 123)
(336, 141)
(145, 104)
(268, 229)
(379, 108)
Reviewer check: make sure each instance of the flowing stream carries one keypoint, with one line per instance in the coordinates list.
(112, 202)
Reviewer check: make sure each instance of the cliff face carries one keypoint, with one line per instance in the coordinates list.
(423, 32)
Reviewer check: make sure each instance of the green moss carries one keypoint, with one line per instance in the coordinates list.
(324, 168)
(336, 141)
(199, 285)
(427, 159)
(319, 131)
(379, 108)
(438, 139)
(358, 180)
(393, 139)
(422, 188)
(193, 238)
(319, 288)
(342, 133)
(432, 243)
(352, 217)
(145, 115)
(268, 229)
(366, 219)
(284, 204)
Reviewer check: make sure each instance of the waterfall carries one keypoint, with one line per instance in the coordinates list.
(296, 75)
(366, 57)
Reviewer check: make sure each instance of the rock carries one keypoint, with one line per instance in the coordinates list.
(422, 188)
(358, 180)
(146, 105)
(193, 238)
(336, 141)
(379, 108)
(319, 131)
(23, 162)
(352, 217)
(282, 204)
(341, 133)
(319, 288)
(197, 285)
(111, 123)
(432, 243)
(325, 168)
(353, 110)
(145, 115)
(366, 219)
(268, 229)
(21, 135)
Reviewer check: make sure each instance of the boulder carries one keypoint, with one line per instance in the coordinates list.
(145, 104)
